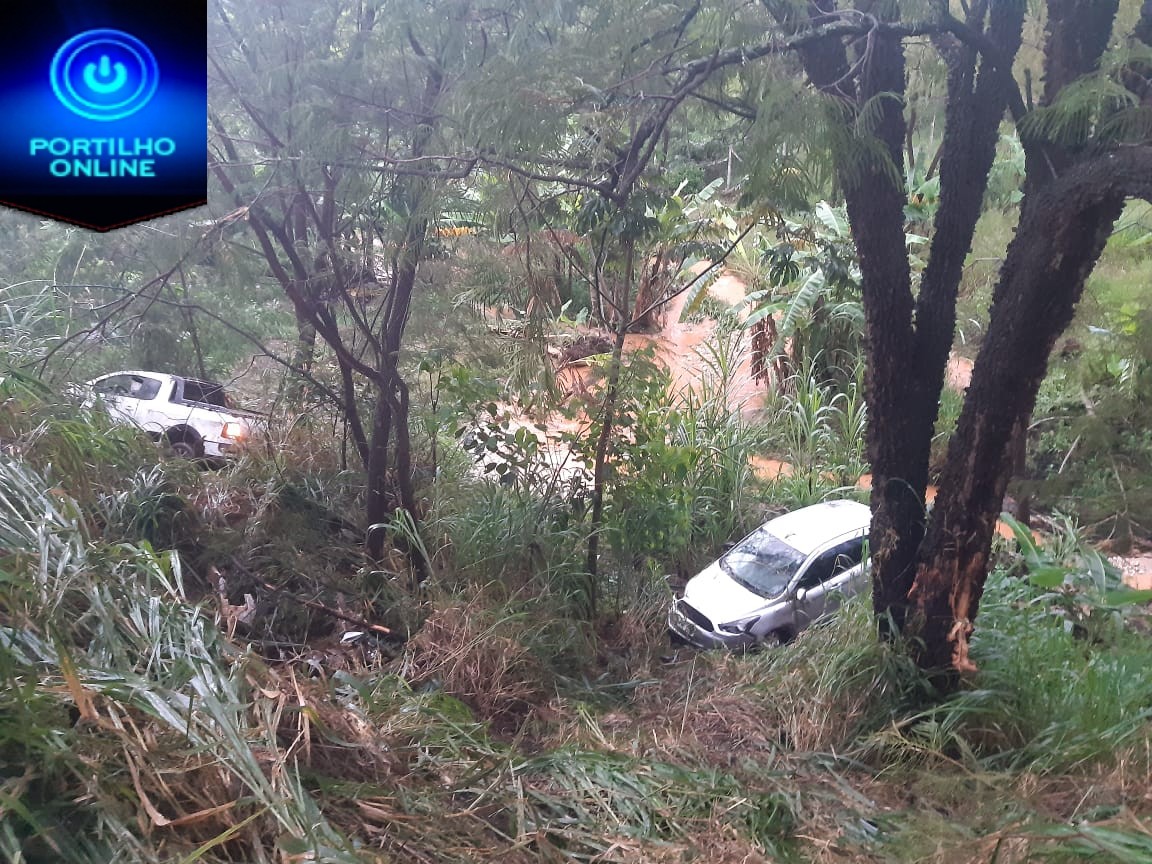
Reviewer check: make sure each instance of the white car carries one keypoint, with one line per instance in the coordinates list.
(777, 580)
(193, 417)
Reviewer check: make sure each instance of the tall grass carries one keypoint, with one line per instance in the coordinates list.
(487, 534)
(714, 428)
(105, 632)
(1063, 684)
(132, 730)
(819, 432)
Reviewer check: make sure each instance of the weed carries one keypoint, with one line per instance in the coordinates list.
(105, 631)
(1085, 697)
(480, 658)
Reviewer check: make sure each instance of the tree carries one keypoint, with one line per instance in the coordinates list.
(1088, 146)
(601, 118)
(333, 129)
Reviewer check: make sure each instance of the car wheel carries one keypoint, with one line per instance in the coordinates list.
(183, 449)
(184, 445)
(782, 636)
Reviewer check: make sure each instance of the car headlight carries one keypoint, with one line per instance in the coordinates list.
(743, 625)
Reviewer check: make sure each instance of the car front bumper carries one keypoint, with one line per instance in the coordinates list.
(683, 627)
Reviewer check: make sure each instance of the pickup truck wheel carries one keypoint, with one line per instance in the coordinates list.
(183, 449)
(184, 444)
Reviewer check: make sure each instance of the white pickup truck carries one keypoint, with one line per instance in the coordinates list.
(192, 417)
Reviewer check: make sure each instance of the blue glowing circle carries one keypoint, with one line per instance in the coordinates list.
(104, 75)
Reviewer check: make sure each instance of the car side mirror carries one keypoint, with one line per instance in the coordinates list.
(801, 593)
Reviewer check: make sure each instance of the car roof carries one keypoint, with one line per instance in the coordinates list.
(140, 373)
(136, 372)
(809, 528)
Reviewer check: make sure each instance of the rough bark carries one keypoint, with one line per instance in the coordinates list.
(1012, 362)
(976, 102)
(1071, 200)
(928, 583)
(600, 465)
(1077, 32)
(390, 450)
(875, 199)
(1062, 233)
(908, 339)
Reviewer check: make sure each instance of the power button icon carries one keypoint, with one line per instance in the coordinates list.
(104, 74)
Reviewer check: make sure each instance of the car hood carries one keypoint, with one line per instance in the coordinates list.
(720, 597)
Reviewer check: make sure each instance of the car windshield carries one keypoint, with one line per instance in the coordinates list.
(762, 563)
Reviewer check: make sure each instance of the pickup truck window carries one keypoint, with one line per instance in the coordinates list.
(204, 392)
(134, 386)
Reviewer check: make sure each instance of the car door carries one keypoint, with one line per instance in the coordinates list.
(809, 594)
(126, 395)
(149, 414)
(832, 575)
(113, 392)
(847, 576)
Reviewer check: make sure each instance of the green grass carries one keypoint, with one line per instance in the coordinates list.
(1116, 282)
(135, 727)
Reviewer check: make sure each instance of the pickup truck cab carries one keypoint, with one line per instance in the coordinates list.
(193, 417)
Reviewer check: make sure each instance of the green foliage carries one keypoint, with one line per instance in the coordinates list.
(813, 294)
(83, 450)
(649, 799)
(679, 474)
(143, 297)
(106, 631)
(1082, 587)
(804, 144)
(1084, 697)
(819, 434)
(1092, 448)
(507, 538)
(1098, 108)
(951, 402)
(133, 729)
(1007, 174)
(1127, 842)
(29, 324)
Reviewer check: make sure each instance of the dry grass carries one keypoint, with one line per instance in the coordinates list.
(812, 698)
(480, 659)
(189, 747)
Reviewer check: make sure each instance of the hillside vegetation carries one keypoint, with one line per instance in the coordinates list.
(155, 710)
(544, 306)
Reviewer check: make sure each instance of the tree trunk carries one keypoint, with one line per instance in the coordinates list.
(975, 107)
(379, 506)
(305, 352)
(390, 420)
(1071, 201)
(650, 293)
(1033, 304)
(413, 196)
(604, 439)
(928, 582)
(897, 447)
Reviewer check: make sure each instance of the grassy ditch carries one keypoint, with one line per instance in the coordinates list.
(150, 713)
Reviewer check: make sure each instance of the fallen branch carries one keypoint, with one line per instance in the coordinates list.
(317, 606)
